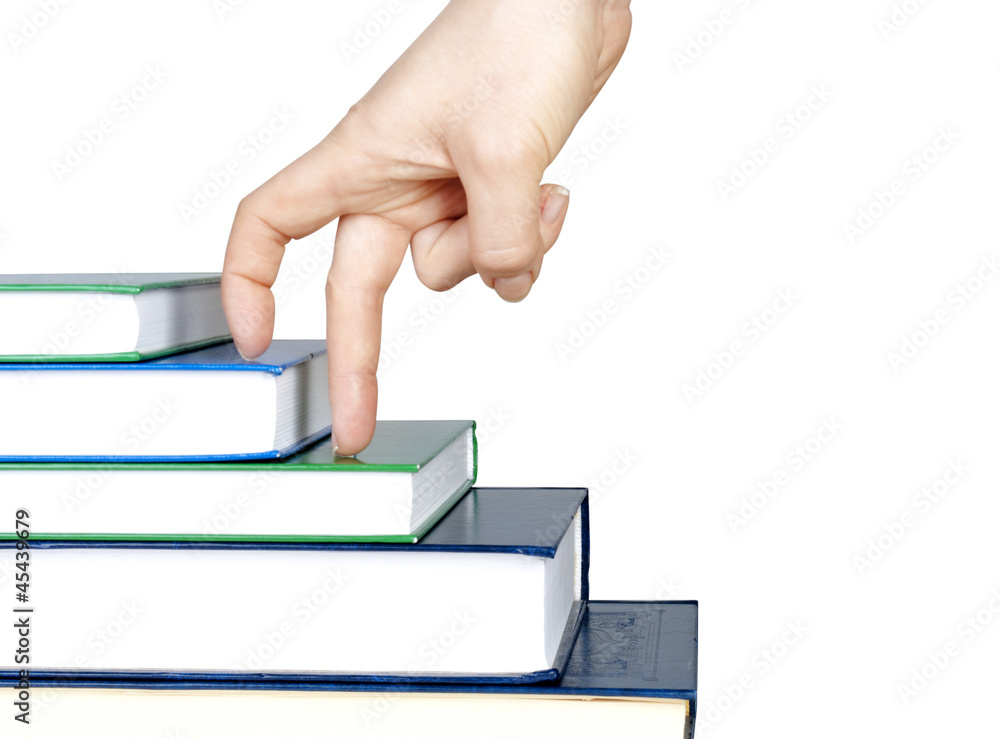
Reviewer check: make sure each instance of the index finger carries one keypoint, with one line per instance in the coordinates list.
(366, 257)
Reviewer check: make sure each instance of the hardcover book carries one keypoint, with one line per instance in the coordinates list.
(393, 491)
(205, 405)
(633, 671)
(108, 317)
(487, 594)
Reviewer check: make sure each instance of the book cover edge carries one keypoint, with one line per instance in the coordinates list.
(206, 278)
(120, 357)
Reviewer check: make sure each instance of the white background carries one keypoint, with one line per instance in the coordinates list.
(644, 166)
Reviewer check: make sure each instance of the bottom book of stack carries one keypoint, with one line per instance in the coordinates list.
(632, 672)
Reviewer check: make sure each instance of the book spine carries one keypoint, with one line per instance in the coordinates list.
(585, 548)
(475, 456)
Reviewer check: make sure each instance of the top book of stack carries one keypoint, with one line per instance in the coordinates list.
(112, 317)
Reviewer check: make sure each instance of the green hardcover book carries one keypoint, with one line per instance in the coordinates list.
(108, 317)
(411, 474)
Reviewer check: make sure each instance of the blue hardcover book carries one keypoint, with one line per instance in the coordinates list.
(491, 593)
(204, 405)
(633, 671)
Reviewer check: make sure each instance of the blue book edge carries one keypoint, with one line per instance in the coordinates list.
(282, 354)
(140, 459)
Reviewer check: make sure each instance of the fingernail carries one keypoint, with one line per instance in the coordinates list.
(513, 289)
(555, 204)
(240, 352)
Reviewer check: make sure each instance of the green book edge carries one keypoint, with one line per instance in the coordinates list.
(120, 289)
(412, 538)
(120, 357)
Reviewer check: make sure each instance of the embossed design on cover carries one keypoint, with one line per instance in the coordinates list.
(617, 644)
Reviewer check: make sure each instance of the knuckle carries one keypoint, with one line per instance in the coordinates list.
(245, 208)
(357, 379)
(431, 274)
(437, 281)
(511, 260)
(358, 124)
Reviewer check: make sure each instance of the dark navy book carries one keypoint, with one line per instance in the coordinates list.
(633, 671)
(492, 593)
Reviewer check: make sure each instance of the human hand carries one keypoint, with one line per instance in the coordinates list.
(444, 154)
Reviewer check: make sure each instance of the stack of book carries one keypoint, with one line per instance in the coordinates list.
(184, 555)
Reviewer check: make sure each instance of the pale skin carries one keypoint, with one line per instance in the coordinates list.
(444, 155)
